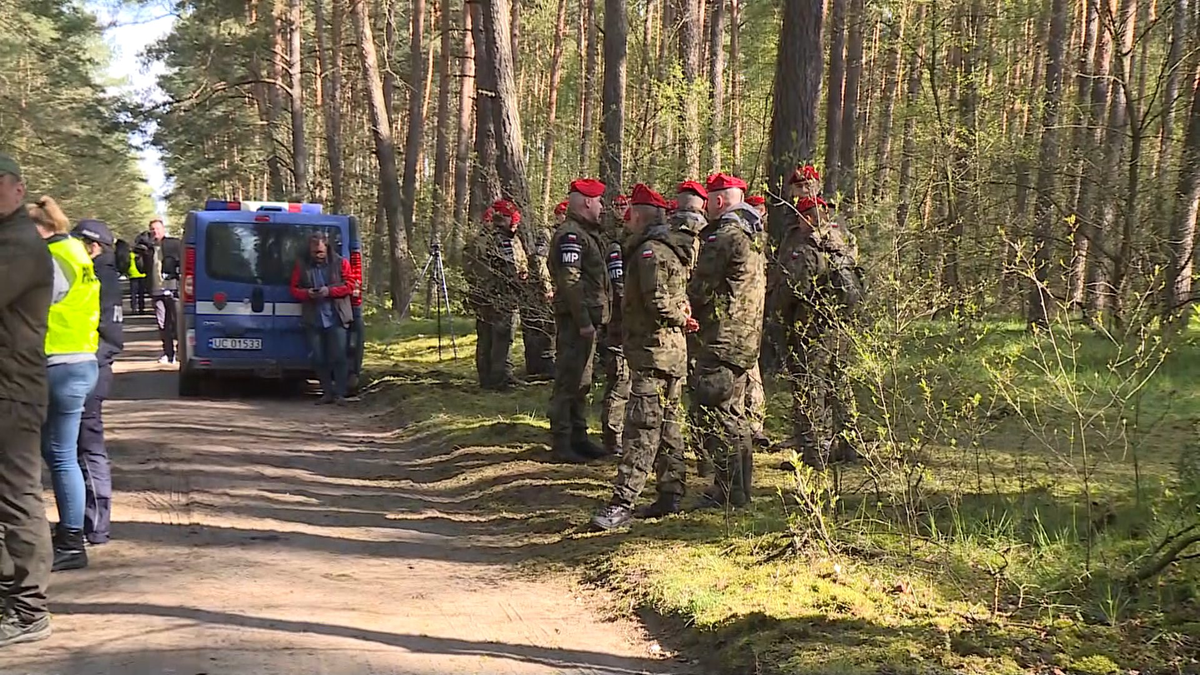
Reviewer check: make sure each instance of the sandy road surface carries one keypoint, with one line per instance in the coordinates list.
(267, 536)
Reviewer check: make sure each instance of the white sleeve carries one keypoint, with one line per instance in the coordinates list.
(62, 285)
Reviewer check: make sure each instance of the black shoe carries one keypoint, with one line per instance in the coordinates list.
(567, 456)
(326, 399)
(590, 449)
(714, 498)
(761, 442)
(69, 553)
(665, 505)
(14, 631)
(613, 516)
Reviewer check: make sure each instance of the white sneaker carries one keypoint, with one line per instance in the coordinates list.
(164, 361)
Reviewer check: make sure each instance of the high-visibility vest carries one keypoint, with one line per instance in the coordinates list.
(134, 272)
(74, 320)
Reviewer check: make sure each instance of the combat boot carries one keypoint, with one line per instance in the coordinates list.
(586, 447)
(69, 553)
(614, 516)
(665, 505)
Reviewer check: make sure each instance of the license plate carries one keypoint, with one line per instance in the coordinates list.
(235, 343)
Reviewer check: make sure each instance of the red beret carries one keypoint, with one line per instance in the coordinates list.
(673, 205)
(487, 214)
(803, 173)
(621, 200)
(693, 187)
(588, 187)
(722, 181)
(506, 209)
(560, 209)
(755, 200)
(644, 196)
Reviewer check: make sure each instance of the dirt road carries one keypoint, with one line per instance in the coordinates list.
(255, 535)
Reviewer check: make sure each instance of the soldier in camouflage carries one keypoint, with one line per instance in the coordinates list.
(685, 224)
(815, 284)
(616, 370)
(756, 396)
(581, 295)
(726, 292)
(656, 316)
(497, 268)
(537, 321)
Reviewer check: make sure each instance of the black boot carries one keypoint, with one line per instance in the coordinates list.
(69, 553)
(664, 506)
(748, 473)
(612, 517)
(588, 448)
(563, 453)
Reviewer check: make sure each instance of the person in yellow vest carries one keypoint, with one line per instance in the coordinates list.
(137, 286)
(72, 338)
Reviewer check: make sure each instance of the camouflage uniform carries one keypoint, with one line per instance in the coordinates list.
(804, 282)
(726, 293)
(496, 267)
(537, 321)
(581, 292)
(685, 225)
(653, 336)
(616, 370)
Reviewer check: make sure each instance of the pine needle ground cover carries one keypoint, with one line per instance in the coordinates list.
(1027, 504)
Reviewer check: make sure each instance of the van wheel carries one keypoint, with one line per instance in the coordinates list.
(189, 384)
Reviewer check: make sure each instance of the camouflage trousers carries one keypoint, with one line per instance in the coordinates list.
(495, 330)
(822, 399)
(756, 403)
(572, 383)
(720, 397)
(653, 438)
(537, 331)
(616, 393)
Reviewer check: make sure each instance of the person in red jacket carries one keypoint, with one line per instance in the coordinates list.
(324, 283)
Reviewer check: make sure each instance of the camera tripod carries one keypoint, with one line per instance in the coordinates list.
(434, 273)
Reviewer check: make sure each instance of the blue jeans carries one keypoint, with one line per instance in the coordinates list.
(327, 351)
(70, 385)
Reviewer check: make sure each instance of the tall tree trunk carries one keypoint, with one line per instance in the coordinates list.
(416, 121)
(485, 185)
(296, 74)
(466, 109)
(908, 151)
(1044, 212)
(1179, 38)
(834, 91)
(592, 43)
(1083, 86)
(560, 31)
(689, 53)
(616, 33)
(891, 82)
(441, 155)
(1183, 225)
(385, 153)
(510, 146)
(960, 197)
(798, 69)
(847, 136)
(716, 83)
(275, 107)
(329, 54)
(735, 81)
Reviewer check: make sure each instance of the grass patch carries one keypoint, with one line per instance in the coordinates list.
(1006, 509)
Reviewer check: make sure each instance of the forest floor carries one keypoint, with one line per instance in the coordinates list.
(1012, 552)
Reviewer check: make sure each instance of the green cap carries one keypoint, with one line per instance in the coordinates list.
(9, 165)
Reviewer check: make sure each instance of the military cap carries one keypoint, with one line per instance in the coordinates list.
(588, 187)
(803, 173)
(723, 181)
(560, 209)
(644, 196)
(756, 200)
(94, 230)
(693, 187)
(506, 209)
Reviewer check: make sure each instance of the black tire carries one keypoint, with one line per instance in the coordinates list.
(189, 383)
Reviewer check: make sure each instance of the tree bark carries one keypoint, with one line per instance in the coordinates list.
(616, 34)
(296, 75)
(385, 153)
(891, 83)
(466, 109)
(716, 84)
(798, 70)
(834, 93)
(510, 146)
(275, 105)
(689, 54)
(908, 151)
(1179, 38)
(847, 133)
(560, 31)
(735, 81)
(416, 120)
(441, 154)
(1183, 226)
(485, 185)
(592, 43)
(329, 53)
(1045, 218)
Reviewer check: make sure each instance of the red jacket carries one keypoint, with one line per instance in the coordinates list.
(344, 290)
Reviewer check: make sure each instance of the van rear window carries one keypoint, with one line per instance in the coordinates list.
(259, 253)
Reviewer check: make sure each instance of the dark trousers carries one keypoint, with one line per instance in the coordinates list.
(616, 393)
(327, 350)
(93, 459)
(137, 295)
(653, 438)
(164, 314)
(572, 383)
(537, 330)
(26, 553)
(495, 330)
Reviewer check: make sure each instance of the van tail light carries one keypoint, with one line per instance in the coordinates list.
(357, 270)
(189, 274)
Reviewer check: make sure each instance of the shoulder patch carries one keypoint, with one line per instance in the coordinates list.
(711, 237)
(571, 237)
(648, 253)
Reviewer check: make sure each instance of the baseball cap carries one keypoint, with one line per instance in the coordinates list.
(9, 165)
(94, 230)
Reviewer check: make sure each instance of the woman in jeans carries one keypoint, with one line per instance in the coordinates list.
(72, 339)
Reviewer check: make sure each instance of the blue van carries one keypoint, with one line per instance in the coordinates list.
(237, 314)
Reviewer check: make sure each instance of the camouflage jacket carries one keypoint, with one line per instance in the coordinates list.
(539, 271)
(727, 288)
(814, 273)
(655, 302)
(579, 274)
(614, 261)
(685, 226)
(496, 267)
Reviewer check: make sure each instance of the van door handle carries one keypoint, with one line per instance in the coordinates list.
(257, 301)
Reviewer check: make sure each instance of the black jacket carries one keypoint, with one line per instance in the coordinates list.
(112, 332)
(172, 255)
(26, 286)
